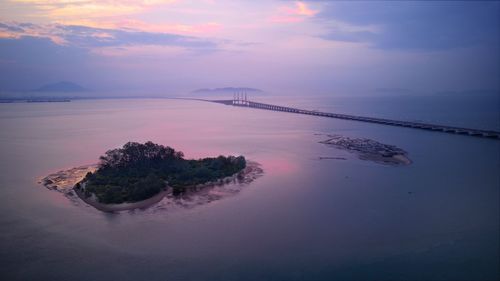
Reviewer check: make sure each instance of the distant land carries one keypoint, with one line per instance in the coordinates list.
(226, 90)
(61, 87)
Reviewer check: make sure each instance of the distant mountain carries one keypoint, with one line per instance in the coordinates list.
(226, 90)
(62, 86)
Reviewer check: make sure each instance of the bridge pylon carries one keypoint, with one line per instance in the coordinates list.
(240, 98)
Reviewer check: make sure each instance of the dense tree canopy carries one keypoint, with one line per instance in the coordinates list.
(139, 171)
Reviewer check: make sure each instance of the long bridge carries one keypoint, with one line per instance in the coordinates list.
(240, 100)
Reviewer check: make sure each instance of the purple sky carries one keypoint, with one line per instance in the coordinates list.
(284, 47)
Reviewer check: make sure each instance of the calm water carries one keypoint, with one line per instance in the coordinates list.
(304, 219)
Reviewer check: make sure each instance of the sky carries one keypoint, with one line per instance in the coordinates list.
(284, 47)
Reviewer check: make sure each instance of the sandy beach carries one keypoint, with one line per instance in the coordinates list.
(123, 206)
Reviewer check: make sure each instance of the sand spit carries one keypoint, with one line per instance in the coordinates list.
(64, 180)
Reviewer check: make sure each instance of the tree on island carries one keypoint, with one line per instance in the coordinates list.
(139, 171)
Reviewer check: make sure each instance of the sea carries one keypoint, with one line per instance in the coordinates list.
(306, 217)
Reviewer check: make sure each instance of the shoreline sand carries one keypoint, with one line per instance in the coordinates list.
(112, 208)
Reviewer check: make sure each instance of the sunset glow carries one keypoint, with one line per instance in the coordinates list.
(319, 46)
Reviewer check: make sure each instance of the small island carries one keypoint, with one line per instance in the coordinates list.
(142, 172)
(139, 176)
(368, 149)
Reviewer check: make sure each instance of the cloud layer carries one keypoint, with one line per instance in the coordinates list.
(416, 25)
(88, 37)
(322, 47)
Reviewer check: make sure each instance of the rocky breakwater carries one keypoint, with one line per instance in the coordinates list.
(371, 150)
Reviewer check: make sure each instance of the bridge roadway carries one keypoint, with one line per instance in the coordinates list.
(408, 124)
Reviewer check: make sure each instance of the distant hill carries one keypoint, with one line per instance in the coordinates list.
(226, 90)
(63, 86)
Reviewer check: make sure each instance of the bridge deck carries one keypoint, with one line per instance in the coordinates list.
(408, 124)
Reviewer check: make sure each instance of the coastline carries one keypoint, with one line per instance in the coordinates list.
(64, 180)
(75, 175)
(112, 208)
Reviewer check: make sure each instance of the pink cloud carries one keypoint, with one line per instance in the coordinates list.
(297, 13)
(184, 29)
(285, 19)
(208, 28)
(302, 9)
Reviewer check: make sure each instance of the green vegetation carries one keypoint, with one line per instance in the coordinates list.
(139, 171)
